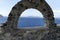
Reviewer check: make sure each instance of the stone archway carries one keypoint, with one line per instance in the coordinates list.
(40, 5)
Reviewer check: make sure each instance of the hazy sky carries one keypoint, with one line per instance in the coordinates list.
(6, 6)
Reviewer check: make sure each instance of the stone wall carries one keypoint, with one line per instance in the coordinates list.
(11, 32)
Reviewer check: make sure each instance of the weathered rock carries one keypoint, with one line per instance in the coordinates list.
(11, 32)
(1, 16)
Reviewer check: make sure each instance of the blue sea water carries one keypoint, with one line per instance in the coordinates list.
(29, 22)
(3, 19)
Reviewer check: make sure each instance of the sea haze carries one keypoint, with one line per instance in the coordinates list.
(29, 22)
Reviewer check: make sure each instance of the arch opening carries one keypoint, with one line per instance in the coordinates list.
(57, 20)
(31, 18)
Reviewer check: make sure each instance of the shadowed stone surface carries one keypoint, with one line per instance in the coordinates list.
(11, 32)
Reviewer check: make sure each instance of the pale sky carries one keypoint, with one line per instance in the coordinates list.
(6, 6)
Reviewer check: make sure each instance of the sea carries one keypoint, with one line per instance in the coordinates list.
(29, 21)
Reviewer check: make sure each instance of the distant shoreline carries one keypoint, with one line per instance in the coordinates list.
(34, 27)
